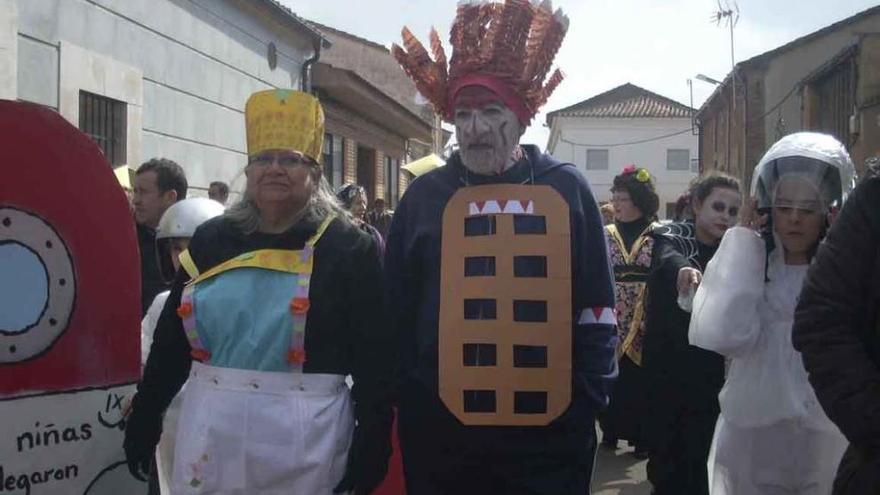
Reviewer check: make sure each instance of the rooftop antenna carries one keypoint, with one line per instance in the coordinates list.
(730, 17)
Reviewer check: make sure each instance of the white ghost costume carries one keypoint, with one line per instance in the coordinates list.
(772, 436)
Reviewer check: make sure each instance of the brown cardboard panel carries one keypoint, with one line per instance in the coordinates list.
(552, 292)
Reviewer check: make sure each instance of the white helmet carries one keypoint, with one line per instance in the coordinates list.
(180, 221)
(182, 218)
(818, 158)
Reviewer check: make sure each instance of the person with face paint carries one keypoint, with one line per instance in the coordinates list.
(683, 380)
(772, 435)
(279, 300)
(630, 246)
(507, 350)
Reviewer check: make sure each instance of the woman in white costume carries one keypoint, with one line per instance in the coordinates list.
(772, 436)
(265, 320)
(175, 228)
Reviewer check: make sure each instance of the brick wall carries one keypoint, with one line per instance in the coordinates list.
(360, 131)
(755, 145)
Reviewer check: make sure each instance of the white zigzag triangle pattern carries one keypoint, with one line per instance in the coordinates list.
(511, 207)
(597, 315)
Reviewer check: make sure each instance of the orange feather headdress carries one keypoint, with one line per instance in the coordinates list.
(507, 48)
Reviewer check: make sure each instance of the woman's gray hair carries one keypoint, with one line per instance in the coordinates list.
(245, 216)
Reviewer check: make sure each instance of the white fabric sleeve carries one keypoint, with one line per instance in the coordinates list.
(725, 313)
(148, 324)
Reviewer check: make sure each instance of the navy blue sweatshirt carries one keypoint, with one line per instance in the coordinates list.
(413, 277)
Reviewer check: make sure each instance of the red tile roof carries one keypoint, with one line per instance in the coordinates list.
(626, 101)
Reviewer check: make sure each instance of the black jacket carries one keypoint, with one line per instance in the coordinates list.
(681, 374)
(346, 332)
(837, 331)
(151, 278)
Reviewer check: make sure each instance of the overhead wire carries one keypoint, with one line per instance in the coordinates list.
(628, 143)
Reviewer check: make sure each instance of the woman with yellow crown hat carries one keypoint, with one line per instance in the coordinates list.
(267, 319)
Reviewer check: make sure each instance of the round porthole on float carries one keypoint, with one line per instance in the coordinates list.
(37, 285)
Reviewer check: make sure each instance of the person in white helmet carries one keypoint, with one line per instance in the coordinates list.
(173, 233)
(772, 436)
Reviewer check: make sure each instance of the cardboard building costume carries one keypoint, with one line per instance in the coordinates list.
(501, 285)
(506, 311)
(69, 310)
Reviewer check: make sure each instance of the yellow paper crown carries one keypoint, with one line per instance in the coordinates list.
(283, 119)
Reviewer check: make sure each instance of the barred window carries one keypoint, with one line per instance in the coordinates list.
(105, 120)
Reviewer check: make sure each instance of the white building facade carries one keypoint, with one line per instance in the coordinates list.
(628, 126)
(157, 78)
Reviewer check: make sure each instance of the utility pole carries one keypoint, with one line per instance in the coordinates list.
(730, 17)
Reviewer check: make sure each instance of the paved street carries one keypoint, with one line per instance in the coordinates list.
(619, 473)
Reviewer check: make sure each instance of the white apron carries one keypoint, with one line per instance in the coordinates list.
(260, 432)
(252, 422)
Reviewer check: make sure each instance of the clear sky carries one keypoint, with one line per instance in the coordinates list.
(655, 44)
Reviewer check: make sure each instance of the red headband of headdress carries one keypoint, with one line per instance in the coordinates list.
(506, 48)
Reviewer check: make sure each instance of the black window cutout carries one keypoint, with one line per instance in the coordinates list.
(529, 224)
(479, 355)
(530, 311)
(479, 225)
(529, 356)
(530, 266)
(479, 401)
(479, 266)
(530, 402)
(480, 309)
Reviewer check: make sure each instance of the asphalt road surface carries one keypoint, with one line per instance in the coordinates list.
(619, 473)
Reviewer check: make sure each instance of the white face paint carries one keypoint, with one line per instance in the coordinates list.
(715, 214)
(487, 137)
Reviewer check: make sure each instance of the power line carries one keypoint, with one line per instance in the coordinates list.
(614, 145)
(780, 103)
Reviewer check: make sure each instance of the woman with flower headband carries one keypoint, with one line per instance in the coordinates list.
(267, 318)
(629, 247)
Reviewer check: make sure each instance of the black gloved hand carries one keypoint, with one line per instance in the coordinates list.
(142, 432)
(367, 459)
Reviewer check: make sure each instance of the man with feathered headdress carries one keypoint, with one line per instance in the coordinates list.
(498, 267)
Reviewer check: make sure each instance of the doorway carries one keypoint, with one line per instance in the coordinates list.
(366, 171)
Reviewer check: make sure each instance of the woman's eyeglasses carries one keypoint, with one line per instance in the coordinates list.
(285, 160)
